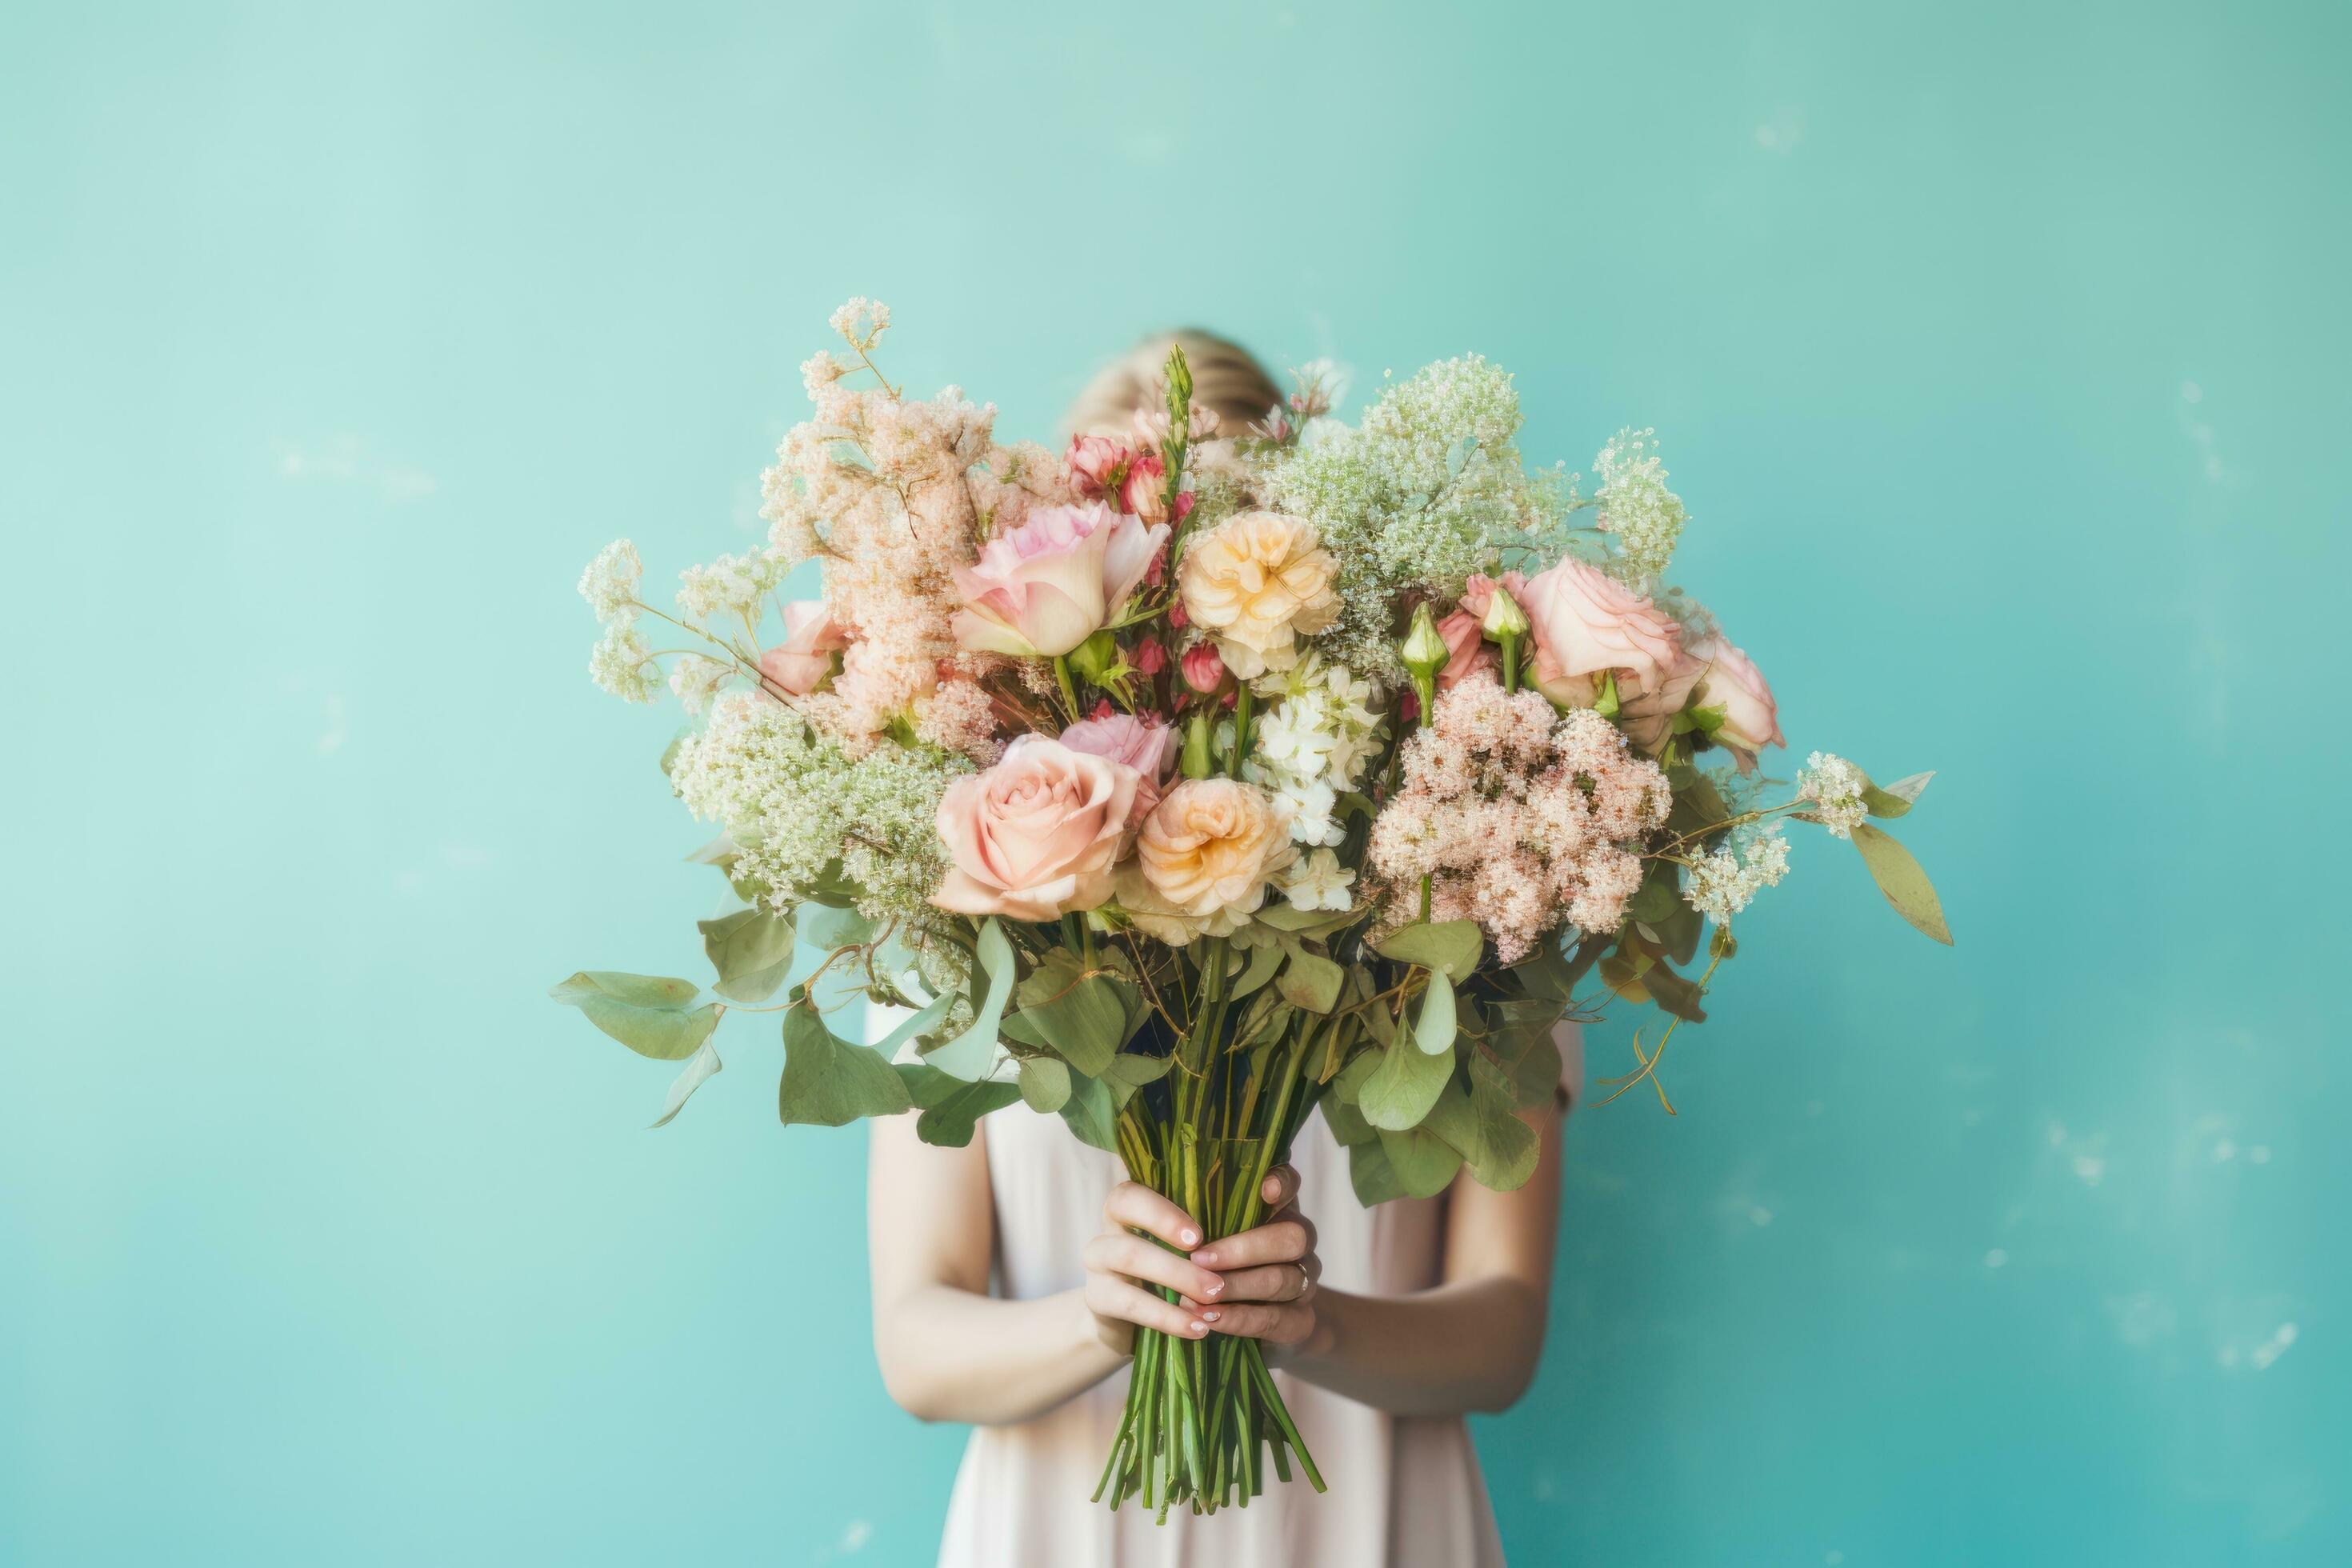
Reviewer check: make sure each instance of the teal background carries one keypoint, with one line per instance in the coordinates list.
(2000, 354)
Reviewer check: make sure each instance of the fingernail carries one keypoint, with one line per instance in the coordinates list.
(1189, 1238)
(1199, 1327)
(1213, 1290)
(1211, 1316)
(1205, 1259)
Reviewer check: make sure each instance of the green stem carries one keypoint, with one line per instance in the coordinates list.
(1243, 701)
(1069, 691)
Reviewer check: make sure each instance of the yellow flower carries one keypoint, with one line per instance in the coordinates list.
(1257, 581)
(1209, 847)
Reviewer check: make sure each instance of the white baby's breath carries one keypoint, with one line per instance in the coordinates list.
(1834, 786)
(610, 583)
(622, 663)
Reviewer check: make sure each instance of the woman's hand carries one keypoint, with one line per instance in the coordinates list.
(1259, 1284)
(1270, 1273)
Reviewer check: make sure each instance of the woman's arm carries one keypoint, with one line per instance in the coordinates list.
(949, 1349)
(1468, 1343)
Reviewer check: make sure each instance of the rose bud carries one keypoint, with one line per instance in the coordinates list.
(1144, 491)
(1151, 658)
(1203, 668)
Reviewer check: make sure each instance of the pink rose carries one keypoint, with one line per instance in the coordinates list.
(1035, 836)
(1095, 462)
(1464, 629)
(801, 663)
(1585, 621)
(1647, 709)
(1148, 745)
(1751, 720)
(1150, 658)
(1041, 589)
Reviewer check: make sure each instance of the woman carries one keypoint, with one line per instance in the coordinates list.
(1006, 1293)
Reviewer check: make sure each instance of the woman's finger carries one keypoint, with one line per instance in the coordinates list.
(1292, 1281)
(1110, 1296)
(1283, 1241)
(1281, 1186)
(1123, 1252)
(1287, 1324)
(1133, 1203)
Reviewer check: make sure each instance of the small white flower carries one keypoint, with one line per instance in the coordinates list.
(1721, 883)
(610, 584)
(696, 679)
(622, 663)
(1834, 786)
(730, 585)
(1309, 803)
(1317, 881)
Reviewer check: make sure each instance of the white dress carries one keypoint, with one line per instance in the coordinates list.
(1405, 1491)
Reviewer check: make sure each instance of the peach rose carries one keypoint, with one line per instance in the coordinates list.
(801, 663)
(1584, 622)
(1751, 720)
(1209, 847)
(1040, 589)
(1148, 745)
(1258, 581)
(1035, 837)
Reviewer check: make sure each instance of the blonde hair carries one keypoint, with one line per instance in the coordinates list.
(1226, 377)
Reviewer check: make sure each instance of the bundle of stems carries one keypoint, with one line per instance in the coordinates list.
(1203, 1417)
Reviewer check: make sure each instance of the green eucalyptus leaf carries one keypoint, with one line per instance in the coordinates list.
(1403, 1083)
(829, 1082)
(1452, 946)
(971, 1054)
(1423, 1163)
(1080, 1016)
(831, 927)
(1346, 1123)
(1674, 993)
(1310, 981)
(1092, 1111)
(752, 949)
(951, 1108)
(1656, 899)
(1896, 798)
(1369, 1173)
(1899, 877)
(700, 1066)
(1509, 1152)
(1433, 1029)
(1045, 1082)
(1263, 961)
(647, 1013)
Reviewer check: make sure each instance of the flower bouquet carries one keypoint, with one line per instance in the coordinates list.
(1193, 778)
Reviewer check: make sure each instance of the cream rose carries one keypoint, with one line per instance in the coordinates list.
(1210, 844)
(1035, 837)
(1257, 582)
(1585, 621)
(1647, 708)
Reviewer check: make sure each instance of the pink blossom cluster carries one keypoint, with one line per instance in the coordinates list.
(892, 494)
(1521, 818)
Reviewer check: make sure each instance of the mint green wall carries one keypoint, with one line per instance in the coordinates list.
(2001, 354)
